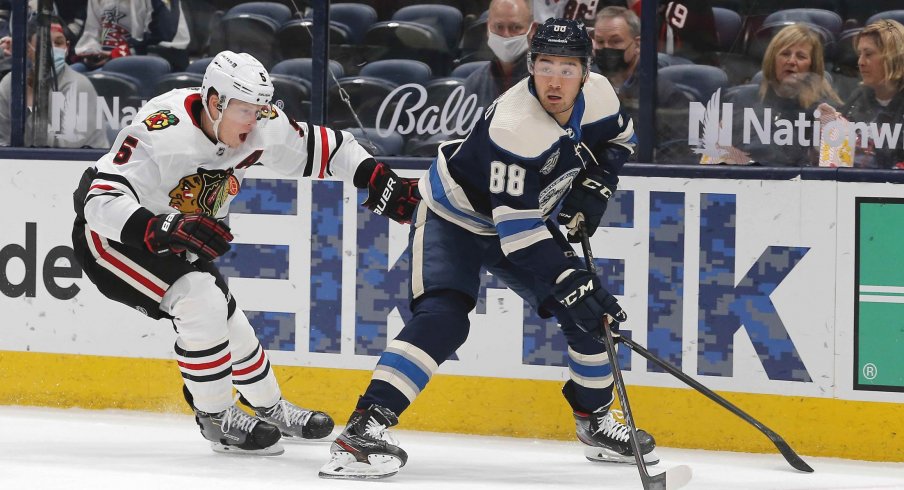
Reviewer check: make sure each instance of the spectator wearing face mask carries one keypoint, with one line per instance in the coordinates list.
(509, 29)
(76, 115)
(616, 54)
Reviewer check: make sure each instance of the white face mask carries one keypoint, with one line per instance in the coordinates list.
(507, 49)
(59, 59)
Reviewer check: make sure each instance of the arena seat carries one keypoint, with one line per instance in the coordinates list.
(447, 20)
(145, 69)
(700, 81)
(177, 80)
(399, 72)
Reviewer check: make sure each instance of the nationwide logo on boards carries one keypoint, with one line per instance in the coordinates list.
(711, 135)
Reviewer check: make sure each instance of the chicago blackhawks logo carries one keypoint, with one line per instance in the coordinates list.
(204, 192)
(161, 120)
(269, 112)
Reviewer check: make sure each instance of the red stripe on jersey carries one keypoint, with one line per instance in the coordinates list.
(253, 367)
(324, 150)
(123, 267)
(190, 101)
(206, 365)
(103, 187)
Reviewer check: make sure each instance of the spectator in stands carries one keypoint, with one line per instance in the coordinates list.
(78, 124)
(793, 85)
(581, 10)
(509, 29)
(616, 47)
(880, 99)
(687, 29)
(115, 28)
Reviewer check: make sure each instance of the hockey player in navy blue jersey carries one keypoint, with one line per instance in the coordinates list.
(557, 136)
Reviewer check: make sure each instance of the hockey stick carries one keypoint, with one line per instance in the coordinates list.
(672, 478)
(790, 456)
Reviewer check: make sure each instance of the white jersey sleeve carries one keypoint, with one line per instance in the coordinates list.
(307, 150)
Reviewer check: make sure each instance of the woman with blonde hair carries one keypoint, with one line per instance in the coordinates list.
(880, 97)
(793, 83)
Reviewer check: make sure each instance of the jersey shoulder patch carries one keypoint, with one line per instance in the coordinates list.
(520, 125)
(161, 119)
(600, 100)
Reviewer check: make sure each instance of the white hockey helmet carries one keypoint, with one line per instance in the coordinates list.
(237, 76)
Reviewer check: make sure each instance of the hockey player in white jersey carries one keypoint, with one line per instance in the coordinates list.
(558, 136)
(149, 221)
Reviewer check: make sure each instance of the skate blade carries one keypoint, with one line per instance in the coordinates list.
(274, 450)
(603, 455)
(344, 466)
(301, 440)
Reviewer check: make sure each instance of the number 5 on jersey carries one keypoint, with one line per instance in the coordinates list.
(508, 178)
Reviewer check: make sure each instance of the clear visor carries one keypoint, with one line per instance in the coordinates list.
(241, 112)
(547, 68)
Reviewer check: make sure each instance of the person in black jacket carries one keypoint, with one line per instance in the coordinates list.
(792, 88)
(880, 99)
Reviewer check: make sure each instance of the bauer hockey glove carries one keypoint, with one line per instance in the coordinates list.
(197, 233)
(390, 195)
(587, 202)
(588, 302)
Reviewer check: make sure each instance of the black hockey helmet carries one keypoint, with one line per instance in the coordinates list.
(561, 37)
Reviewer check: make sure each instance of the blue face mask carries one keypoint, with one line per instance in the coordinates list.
(59, 59)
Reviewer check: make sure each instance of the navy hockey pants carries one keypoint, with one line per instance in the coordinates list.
(446, 262)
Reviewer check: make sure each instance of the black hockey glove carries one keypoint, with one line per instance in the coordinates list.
(390, 195)
(588, 303)
(197, 233)
(587, 202)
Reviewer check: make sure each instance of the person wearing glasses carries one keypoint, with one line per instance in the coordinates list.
(557, 137)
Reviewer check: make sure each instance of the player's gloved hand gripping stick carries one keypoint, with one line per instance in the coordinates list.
(678, 476)
(390, 195)
(175, 233)
(587, 201)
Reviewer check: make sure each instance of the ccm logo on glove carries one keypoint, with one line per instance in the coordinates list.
(600, 187)
(578, 294)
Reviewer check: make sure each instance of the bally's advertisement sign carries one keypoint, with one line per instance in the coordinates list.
(748, 285)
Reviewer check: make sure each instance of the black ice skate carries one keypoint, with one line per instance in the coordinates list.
(365, 449)
(607, 440)
(235, 432)
(296, 423)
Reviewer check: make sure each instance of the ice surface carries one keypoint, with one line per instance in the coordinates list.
(43, 448)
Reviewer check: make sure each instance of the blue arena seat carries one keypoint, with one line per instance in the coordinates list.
(665, 59)
(444, 18)
(465, 69)
(728, 27)
(826, 19)
(410, 40)
(294, 37)
(276, 11)
(897, 15)
(358, 17)
(199, 65)
(384, 145)
(177, 80)
(146, 69)
(254, 34)
(110, 85)
(700, 81)
(303, 68)
(399, 72)
(366, 94)
(291, 95)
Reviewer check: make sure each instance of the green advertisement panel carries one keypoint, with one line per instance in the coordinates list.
(879, 295)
